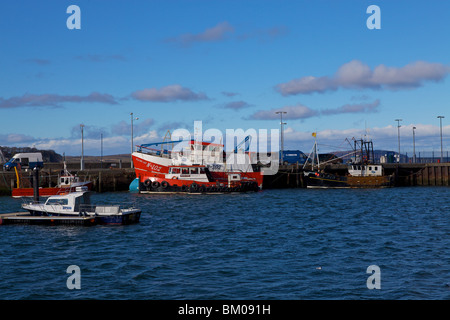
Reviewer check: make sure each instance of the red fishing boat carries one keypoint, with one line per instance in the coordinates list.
(200, 167)
(67, 182)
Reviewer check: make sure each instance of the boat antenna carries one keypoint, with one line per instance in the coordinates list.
(367, 131)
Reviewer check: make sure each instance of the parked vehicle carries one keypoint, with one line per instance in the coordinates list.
(293, 157)
(25, 161)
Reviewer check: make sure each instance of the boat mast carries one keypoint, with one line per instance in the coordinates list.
(315, 150)
(365, 150)
(315, 154)
(167, 139)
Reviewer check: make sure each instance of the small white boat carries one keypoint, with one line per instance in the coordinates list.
(78, 204)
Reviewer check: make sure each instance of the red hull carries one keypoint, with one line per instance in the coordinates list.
(156, 184)
(44, 192)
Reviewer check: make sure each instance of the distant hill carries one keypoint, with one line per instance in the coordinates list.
(47, 155)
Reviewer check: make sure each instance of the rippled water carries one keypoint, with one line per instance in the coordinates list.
(275, 244)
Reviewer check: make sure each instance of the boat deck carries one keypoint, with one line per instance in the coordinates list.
(26, 218)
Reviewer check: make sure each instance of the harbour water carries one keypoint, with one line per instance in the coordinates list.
(276, 244)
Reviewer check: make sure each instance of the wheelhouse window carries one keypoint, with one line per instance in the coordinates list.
(175, 170)
(194, 170)
(57, 202)
(185, 170)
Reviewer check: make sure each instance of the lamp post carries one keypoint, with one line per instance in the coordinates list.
(101, 150)
(282, 139)
(131, 114)
(442, 152)
(281, 136)
(82, 148)
(414, 144)
(398, 128)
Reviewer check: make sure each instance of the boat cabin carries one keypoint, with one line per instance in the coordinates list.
(363, 170)
(199, 152)
(197, 173)
(68, 202)
(67, 181)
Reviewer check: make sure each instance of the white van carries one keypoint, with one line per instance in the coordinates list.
(25, 160)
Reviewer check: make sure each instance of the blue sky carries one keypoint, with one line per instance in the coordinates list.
(230, 64)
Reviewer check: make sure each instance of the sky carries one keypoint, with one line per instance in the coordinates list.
(230, 64)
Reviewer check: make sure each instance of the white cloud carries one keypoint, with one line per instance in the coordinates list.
(54, 100)
(236, 105)
(229, 94)
(354, 108)
(357, 75)
(264, 34)
(224, 30)
(216, 33)
(139, 126)
(15, 138)
(298, 111)
(167, 94)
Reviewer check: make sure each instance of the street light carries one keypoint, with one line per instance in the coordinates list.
(414, 144)
(131, 114)
(82, 148)
(281, 136)
(101, 150)
(398, 128)
(442, 152)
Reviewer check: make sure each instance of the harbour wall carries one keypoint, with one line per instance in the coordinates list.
(119, 176)
(103, 179)
(405, 174)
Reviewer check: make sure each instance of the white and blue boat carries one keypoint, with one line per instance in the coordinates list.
(78, 203)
